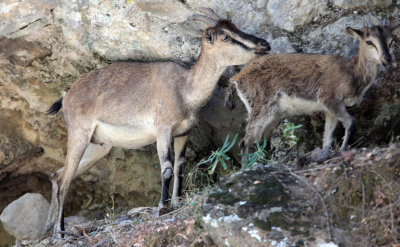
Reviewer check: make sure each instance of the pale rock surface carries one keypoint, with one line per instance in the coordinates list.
(333, 38)
(350, 4)
(281, 45)
(27, 15)
(289, 14)
(25, 217)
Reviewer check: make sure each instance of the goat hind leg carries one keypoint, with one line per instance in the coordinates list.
(255, 128)
(179, 149)
(92, 154)
(77, 144)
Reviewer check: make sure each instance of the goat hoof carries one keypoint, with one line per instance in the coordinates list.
(162, 210)
(176, 203)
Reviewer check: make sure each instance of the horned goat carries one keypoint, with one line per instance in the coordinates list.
(133, 104)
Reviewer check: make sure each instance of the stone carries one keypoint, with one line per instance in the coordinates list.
(25, 217)
(169, 11)
(320, 155)
(21, 17)
(351, 4)
(281, 45)
(289, 15)
(140, 30)
(72, 221)
(273, 214)
(333, 38)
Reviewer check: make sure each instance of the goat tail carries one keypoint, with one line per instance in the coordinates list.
(55, 107)
(229, 96)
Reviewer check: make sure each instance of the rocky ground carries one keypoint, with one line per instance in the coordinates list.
(351, 199)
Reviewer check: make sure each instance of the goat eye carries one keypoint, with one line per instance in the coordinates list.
(225, 38)
(370, 43)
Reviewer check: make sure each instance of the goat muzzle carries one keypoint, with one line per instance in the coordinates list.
(263, 47)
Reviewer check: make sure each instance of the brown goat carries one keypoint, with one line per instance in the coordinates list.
(278, 85)
(132, 104)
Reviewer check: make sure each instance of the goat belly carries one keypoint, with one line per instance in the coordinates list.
(292, 105)
(125, 137)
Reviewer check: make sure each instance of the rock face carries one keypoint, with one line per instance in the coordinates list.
(351, 4)
(289, 15)
(337, 36)
(45, 45)
(25, 218)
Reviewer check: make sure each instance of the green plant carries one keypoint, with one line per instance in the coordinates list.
(260, 155)
(203, 176)
(289, 134)
(219, 156)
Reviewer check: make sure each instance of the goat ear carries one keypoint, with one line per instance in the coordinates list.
(209, 35)
(355, 32)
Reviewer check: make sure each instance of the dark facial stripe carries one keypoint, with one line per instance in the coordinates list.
(225, 24)
(384, 47)
(236, 42)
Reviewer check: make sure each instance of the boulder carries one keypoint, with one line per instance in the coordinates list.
(25, 217)
(289, 15)
(351, 4)
(263, 207)
(333, 38)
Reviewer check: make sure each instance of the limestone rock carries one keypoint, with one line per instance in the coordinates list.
(289, 15)
(127, 30)
(351, 4)
(333, 38)
(169, 11)
(259, 208)
(281, 45)
(25, 217)
(21, 17)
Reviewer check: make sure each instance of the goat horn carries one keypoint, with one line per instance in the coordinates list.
(204, 19)
(209, 12)
(369, 24)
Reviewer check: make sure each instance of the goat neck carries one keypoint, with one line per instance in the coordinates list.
(202, 80)
(365, 72)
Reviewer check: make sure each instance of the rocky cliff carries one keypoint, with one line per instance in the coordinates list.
(47, 44)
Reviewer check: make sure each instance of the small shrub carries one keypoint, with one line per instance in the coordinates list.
(289, 134)
(203, 176)
(260, 155)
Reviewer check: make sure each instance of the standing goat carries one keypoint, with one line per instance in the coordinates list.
(278, 85)
(132, 104)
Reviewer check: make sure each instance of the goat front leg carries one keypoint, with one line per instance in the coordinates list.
(338, 109)
(330, 125)
(179, 164)
(164, 155)
(350, 128)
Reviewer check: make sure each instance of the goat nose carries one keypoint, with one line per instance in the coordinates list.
(265, 44)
